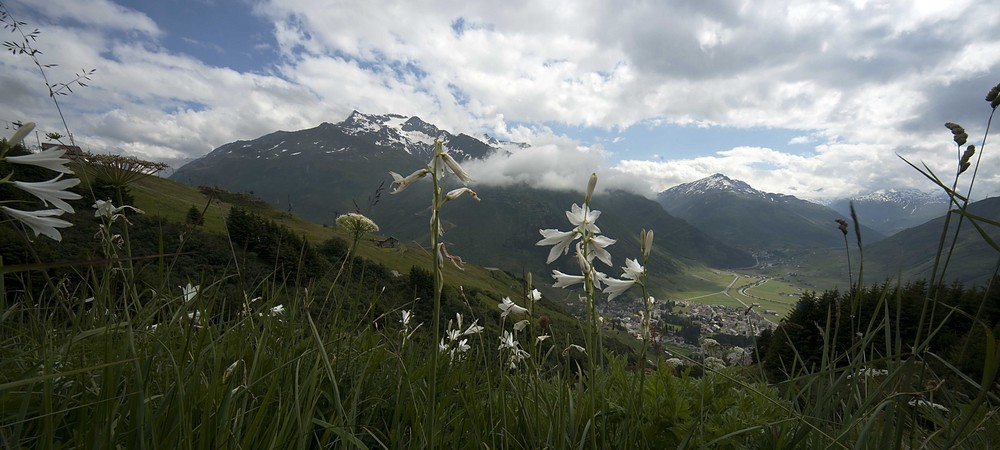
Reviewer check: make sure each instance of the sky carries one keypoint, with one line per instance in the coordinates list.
(818, 99)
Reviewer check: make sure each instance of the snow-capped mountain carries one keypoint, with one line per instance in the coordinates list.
(367, 135)
(321, 172)
(737, 214)
(891, 211)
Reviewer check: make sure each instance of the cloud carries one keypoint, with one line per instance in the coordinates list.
(552, 162)
(861, 80)
(102, 14)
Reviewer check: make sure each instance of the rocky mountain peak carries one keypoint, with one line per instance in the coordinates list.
(715, 184)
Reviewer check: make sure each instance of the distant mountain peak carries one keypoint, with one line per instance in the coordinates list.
(714, 184)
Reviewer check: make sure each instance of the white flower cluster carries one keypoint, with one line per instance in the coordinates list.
(591, 245)
(54, 191)
(455, 343)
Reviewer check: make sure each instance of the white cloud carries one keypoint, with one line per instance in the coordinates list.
(861, 80)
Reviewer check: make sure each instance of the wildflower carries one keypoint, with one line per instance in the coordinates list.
(52, 191)
(646, 242)
(560, 241)
(399, 182)
(674, 362)
(595, 248)
(278, 310)
(50, 159)
(456, 193)
(189, 292)
(507, 341)
(928, 404)
(104, 208)
(406, 318)
(591, 185)
(459, 350)
(473, 329)
(868, 372)
(564, 280)
(574, 347)
(539, 339)
(631, 273)
(21, 133)
(632, 270)
(582, 218)
(616, 287)
(453, 335)
(441, 152)
(534, 295)
(41, 221)
(356, 223)
(509, 307)
(713, 363)
(519, 326)
(228, 373)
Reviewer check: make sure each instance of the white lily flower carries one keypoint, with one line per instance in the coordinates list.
(456, 193)
(443, 346)
(591, 185)
(278, 310)
(21, 133)
(453, 335)
(616, 287)
(632, 270)
(534, 295)
(104, 208)
(401, 183)
(519, 326)
(507, 341)
(462, 346)
(50, 159)
(509, 307)
(560, 241)
(52, 191)
(473, 329)
(406, 318)
(564, 280)
(189, 292)
(596, 248)
(573, 347)
(646, 236)
(41, 221)
(583, 218)
(541, 338)
(441, 152)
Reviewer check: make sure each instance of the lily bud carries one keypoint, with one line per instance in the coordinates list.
(590, 187)
(647, 242)
(21, 133)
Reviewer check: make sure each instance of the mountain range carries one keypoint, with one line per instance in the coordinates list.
(892, 211)
(332, 169)
(739, 215)
(322, 172)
